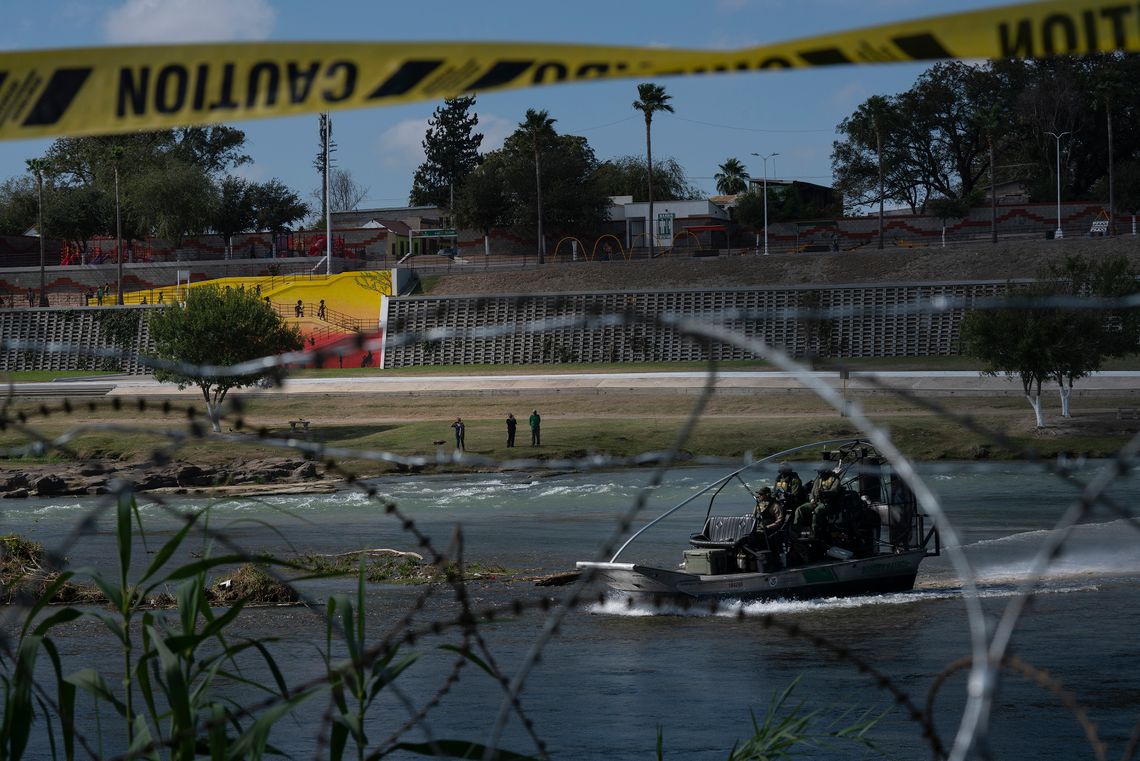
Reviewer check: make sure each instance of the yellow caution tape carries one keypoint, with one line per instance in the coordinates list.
(104, 90)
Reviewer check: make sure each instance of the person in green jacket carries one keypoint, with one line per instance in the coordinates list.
(535, 421)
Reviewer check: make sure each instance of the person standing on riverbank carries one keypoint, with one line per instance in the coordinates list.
(512, 424)
(460, 431)
(535, 435)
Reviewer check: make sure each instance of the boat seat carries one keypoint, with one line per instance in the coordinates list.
(724, 532)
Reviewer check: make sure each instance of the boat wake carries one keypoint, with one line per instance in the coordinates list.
(617, 604)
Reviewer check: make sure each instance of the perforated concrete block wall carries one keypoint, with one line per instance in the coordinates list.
(851, 321)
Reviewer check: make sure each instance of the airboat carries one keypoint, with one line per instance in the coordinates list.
(873, 543)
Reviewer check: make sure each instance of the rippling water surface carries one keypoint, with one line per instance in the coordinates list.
(615, 673)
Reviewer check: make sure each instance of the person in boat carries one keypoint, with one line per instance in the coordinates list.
(789, 488)
(770, 518)
(823, 505)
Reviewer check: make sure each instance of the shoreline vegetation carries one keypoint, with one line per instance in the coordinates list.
(163, 444)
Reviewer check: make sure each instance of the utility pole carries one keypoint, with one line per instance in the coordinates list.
(326, 132)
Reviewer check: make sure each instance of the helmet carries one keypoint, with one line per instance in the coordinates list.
(785, 468)
(765, 491)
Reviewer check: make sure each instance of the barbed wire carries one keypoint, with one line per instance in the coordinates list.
(988, 643)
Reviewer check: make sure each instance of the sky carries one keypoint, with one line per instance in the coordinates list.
(790, 113)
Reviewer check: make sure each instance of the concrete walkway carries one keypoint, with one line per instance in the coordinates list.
(931, 383)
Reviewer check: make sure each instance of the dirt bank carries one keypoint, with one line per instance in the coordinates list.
(972, 261)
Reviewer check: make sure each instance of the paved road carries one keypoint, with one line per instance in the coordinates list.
(934, 383)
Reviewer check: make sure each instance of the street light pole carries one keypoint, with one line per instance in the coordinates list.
(1060, 232)
(765, 160)
(118, 238)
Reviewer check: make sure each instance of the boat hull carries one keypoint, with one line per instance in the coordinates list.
(874, 575)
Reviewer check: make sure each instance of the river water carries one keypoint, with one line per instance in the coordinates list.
(612, 675)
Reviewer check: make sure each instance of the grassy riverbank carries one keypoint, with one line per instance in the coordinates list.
(574, 424)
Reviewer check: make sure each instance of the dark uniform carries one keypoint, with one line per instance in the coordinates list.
(789, 488)
(512, 424)
(826, 493)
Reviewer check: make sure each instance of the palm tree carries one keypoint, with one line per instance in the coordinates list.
(538, 127)
(651, 98)
(39, 167)
(991, 121)
(732, 177)
(878, 108)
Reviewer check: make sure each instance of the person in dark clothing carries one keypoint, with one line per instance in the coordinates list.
(789, 488)
(321, 310)
(460, 430)
(512, 424)
(299, 309)
(535, 435)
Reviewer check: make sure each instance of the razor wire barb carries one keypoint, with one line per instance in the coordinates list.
(988, 645)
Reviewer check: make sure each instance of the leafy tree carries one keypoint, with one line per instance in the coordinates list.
(276, 207)
(651, 98)
(1038, 341)
(17, 204)
(785, 204)
(1018, 341)
(174, 200)
(236, 211)
(219, 327)
(628, 175)
(215, 149)
(451, 154)
(505, 190)
(537, 129)
(732, 177)
(482, 201)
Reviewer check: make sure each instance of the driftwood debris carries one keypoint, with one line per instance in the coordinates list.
(373, 552)
(557, 579)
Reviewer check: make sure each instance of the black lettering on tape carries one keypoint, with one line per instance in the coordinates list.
(132, 91)
(1115, 15)
(591, 70)
(549, 72)
(410, 74)
(334, 71)
(300, 80)
(825, 57)
(721, 68)
(1021, 44)
(271, 72)
(775, 62)
(502, 73)
(226, 100)
(54, 101)
(3, 76)
(201, 79)
(170, 88)
(1063, 24)
(922, 47)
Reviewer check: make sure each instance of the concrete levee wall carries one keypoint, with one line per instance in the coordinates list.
(915, 319)
(74, 334)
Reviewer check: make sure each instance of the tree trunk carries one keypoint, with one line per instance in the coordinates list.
(1066, 392)
(538, 197)
(993, 193)
(649, 174)
(1111, 188)
(1035, 402)
(879, 155)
